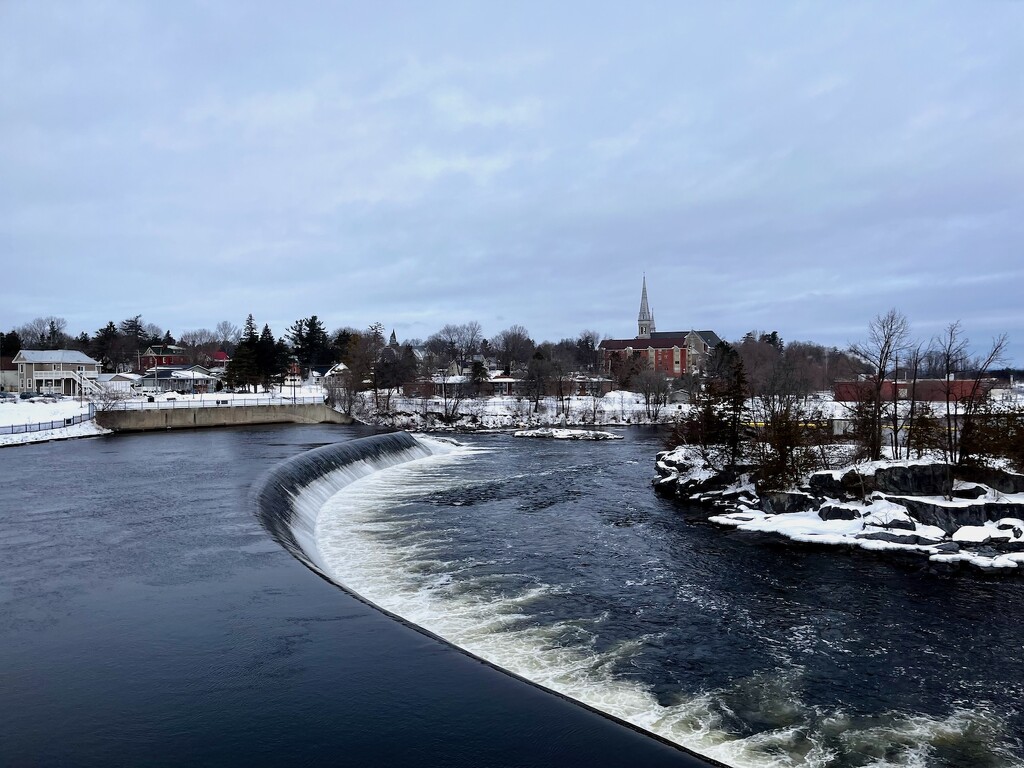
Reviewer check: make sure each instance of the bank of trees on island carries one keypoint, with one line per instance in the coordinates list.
(755, 408)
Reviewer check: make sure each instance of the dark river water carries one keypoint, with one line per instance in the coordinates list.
(146, 618)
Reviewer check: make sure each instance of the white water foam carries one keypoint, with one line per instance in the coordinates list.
(360, 547)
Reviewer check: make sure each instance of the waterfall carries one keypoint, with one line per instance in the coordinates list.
(289, 497)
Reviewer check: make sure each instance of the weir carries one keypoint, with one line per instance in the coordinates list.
(289, 497)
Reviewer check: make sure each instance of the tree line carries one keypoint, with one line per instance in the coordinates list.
(754, 410)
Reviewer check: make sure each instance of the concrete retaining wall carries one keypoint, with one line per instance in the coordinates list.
(226, 416)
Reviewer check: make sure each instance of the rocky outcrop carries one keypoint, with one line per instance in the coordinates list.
(904, 479)
(968, 516)
(914, 479)
(783, 502)
(951, 518)
(998, 479)
(835, 512)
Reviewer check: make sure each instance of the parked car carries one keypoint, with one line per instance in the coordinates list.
(8, 396)
(27, 395)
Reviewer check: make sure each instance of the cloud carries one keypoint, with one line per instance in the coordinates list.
(456, 107)
(785, 167)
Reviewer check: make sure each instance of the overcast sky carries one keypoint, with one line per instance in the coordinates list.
(794, 167)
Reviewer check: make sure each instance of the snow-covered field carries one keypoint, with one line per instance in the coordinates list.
(17, 413)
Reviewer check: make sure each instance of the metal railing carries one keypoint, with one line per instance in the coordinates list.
(42, 426)
(212, 402)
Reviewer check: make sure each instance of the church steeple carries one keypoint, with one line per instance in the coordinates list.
(645, 320)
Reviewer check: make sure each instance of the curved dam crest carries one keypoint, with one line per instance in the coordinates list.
(289, 498)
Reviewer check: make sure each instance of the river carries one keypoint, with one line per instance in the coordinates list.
(146, 617)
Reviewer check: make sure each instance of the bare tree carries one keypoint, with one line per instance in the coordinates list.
(228, 335)
(514, 347)
(760, 357)
(588, 356)
(469, 339)
(365, 355)
(963, 399)
(199, 344)
(888, 336)
(154, 334)
(560, 373)
(653, 386)
(48, 332)
(109, 398)
(343, 391)
(903, 419)
(445, 351)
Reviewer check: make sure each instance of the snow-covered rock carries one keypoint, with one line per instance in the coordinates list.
(914, 506)
(567, 434)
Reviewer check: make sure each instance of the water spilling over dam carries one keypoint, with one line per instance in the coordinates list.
(552, 562)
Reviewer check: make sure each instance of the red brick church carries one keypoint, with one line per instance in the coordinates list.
(673, 352)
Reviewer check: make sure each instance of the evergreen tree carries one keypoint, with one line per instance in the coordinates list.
(341, 345)
(242, 371)
(269, 365)
(10, 343)
(104, 346)
(249, 334)
(310, 342)
(244, 368)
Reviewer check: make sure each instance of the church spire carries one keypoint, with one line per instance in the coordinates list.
(645, 320)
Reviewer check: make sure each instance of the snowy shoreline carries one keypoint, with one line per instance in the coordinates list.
(907, 506)
(15, 415)
(506, 414)
(554, 433)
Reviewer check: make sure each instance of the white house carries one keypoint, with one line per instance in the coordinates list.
(56, 371)
(124, 383)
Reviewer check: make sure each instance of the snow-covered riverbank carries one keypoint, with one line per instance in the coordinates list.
(970, 516)
(618, 408)
(20, 421)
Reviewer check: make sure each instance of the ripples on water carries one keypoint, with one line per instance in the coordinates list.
(556, 561)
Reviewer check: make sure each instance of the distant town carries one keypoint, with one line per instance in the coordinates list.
(138, 358)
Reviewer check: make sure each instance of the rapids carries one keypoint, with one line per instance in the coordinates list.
(558, 564)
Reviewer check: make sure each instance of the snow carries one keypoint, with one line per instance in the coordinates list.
(567, 434)
(499, 412)
(882, 513)
(24, 412)
(515, 412)
(21, 412)
(17, 413)
(869, 468)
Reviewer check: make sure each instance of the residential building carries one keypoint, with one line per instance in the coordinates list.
(8, 374)
(123, 383)
(56, 371)
(162, 355)
(192, 379)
